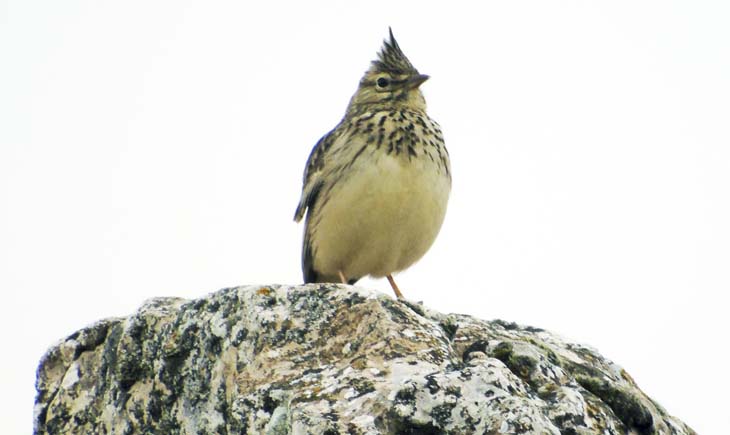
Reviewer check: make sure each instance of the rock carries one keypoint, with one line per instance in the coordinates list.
(330, 359)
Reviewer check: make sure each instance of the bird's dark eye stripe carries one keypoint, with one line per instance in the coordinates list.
(383, 82)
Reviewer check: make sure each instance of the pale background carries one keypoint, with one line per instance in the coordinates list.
(156, 149)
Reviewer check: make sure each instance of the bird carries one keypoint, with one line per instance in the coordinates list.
(376, 187)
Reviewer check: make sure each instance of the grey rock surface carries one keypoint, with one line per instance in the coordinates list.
(330, 359)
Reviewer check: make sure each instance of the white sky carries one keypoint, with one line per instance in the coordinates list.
(156, 148)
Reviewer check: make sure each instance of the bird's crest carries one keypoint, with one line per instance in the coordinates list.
(391, 58)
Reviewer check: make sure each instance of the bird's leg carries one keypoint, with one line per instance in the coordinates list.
(342, 277)
(398, 294)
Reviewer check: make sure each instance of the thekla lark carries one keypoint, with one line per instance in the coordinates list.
(376, 186)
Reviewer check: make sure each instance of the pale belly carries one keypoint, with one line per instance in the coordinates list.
(381, 220)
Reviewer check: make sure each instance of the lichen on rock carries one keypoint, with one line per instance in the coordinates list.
(330, 359)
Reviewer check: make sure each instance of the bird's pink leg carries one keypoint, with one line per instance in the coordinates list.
(398, 294)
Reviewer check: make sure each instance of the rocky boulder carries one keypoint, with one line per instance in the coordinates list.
(330, 359)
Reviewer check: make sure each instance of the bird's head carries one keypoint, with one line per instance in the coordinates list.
(391, 81)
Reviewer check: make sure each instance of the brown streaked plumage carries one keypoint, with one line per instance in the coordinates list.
(376, 186)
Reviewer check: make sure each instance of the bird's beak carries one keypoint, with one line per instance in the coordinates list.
(416, 81)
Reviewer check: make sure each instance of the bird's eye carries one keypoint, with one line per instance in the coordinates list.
(382, 83)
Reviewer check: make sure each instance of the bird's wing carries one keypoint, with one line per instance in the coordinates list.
(313, 174)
